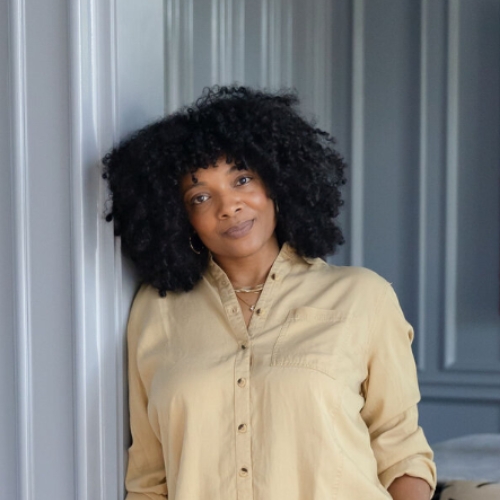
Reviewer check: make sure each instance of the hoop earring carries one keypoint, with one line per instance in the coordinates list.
(197, 252)
(277, 207)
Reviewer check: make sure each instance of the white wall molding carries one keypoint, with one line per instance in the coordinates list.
(277, 43)
(86, 456)
(227, 41)
(25, 480)
(101, 297)
(452, 145)
(96, 267)
(179, 52)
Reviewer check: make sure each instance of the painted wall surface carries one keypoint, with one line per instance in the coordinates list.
(410, 89)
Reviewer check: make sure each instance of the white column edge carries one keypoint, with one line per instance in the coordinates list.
(25, 484)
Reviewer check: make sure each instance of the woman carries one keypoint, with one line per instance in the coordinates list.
(257, 370)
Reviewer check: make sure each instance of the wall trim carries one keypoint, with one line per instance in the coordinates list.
(98, 344)
(319, 77)
(423, 182)
(24, 376)
(458, 392)
(228, 41)
(357, 134)
(88, 456)
(271, 38)
(451, 221)
(178, 51)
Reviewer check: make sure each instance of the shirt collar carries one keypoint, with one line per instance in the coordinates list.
(286, 253)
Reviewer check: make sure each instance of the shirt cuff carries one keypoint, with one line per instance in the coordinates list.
(415, 466)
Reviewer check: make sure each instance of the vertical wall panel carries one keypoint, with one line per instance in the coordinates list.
(21, 352)
(432, 159)
(423, 182)
(48, 228)
(472, 321)
(356, 206)
(178, 48)
(39, 224)
(8, 439)
(97, 366)
(391, 145)
(276, 43)
(227, 41)
(478, 189)
(452, 182)
(341, 109)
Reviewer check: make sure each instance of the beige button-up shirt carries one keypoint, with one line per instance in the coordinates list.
(316, 400)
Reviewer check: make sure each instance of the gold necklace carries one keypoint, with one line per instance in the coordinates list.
(250, 306)
(250, 289)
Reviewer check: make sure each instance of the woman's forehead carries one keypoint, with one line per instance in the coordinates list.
(221, 168)
(203, 176)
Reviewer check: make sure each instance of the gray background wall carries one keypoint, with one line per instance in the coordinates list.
(409, 88)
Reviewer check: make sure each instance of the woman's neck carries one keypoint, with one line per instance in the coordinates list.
(250, 270)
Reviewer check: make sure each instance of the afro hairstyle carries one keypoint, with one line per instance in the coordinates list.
(257, 130)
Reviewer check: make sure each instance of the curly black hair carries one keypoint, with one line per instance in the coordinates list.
(259, 130)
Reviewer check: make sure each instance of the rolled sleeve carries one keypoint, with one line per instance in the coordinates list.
(401, 448)
(391, 396)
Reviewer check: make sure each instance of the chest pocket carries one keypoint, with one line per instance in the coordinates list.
(312, 338)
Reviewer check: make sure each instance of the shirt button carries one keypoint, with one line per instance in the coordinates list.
(243, 472)
(273, 276)
(242, 427)
(243, 346)
(258, 312)
(242, 382)
(234, 310)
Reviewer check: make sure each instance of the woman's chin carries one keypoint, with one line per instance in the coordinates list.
(242, 248)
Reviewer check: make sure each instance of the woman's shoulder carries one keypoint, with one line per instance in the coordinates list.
(356, 275)
(148, 302)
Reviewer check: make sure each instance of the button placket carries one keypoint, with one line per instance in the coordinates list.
(242, 421)
(242, 368)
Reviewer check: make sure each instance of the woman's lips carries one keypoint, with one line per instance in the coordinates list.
(239, 230)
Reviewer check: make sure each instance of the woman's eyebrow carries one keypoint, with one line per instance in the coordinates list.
(233, 169)
(193, 185)
(238, 168)
(194, 182)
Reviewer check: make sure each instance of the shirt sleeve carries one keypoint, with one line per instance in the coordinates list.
(145, 478)
(391, 395)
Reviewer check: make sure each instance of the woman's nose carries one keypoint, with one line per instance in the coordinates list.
(229, 205)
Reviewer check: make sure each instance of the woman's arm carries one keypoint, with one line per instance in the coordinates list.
(409, 488)
(146, 477)
(391, 397)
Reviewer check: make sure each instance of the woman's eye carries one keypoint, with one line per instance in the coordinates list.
(196, 200)
(243, 180)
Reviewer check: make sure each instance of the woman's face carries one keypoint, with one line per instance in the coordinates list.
(230, 210)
